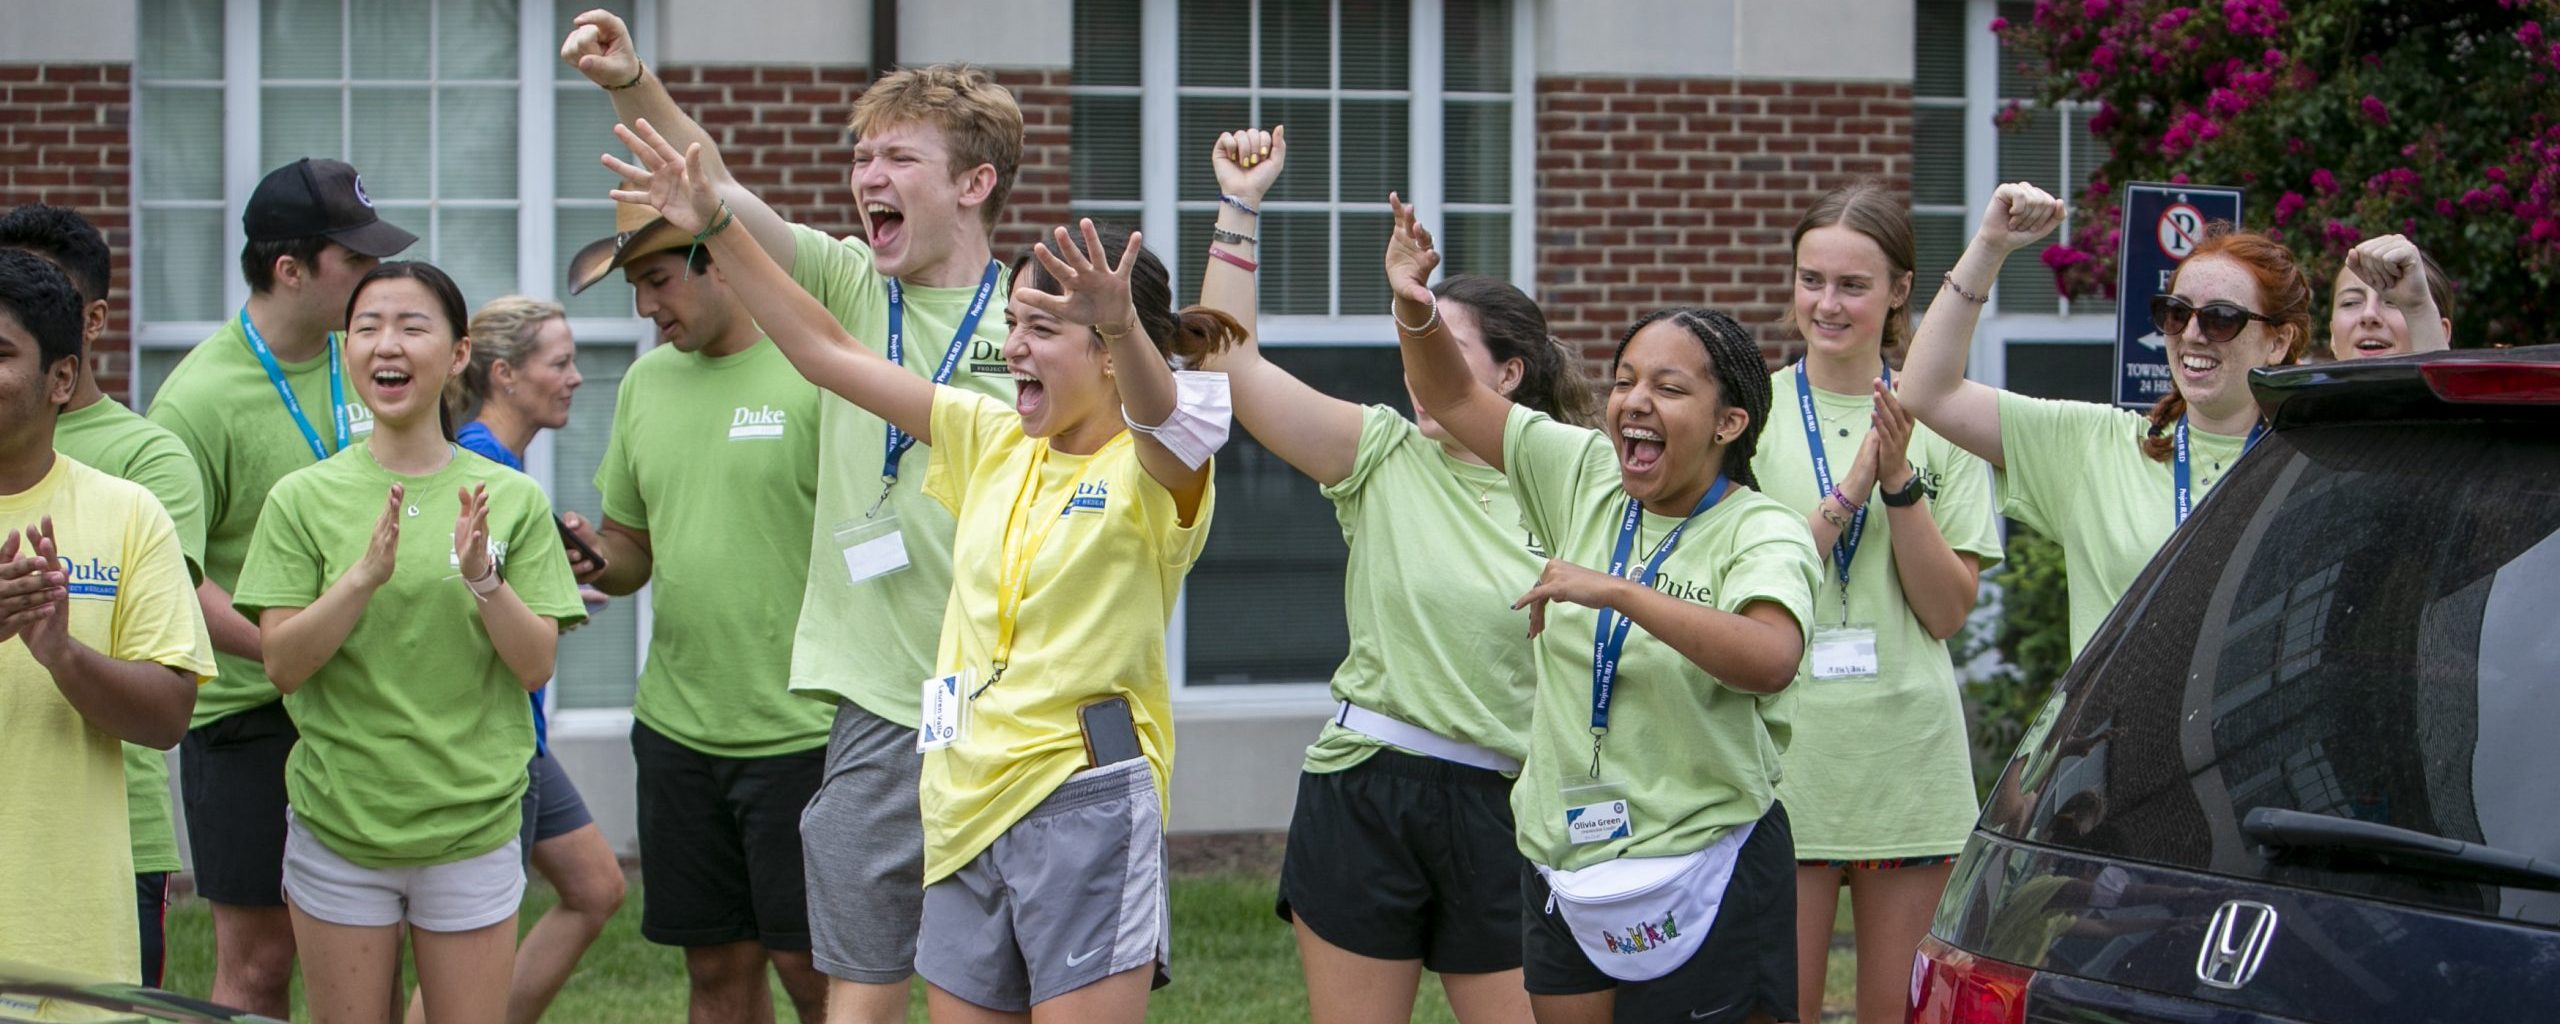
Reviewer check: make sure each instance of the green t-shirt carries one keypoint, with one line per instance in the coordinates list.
(414, 735)
(873, 642)
(718, 460)
(220, 403)
(2075, 472)
(1438, 553)
(120, 443)
(1879, 766)
(1694, 757)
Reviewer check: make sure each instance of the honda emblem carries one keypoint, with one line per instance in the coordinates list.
(2235, 943)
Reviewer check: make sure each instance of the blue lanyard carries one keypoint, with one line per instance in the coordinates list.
(1844, 549)
(2178, 468)
(1609, 641)
(899, 441)
(293, 404)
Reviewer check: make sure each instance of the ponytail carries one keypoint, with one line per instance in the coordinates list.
(1197, 333)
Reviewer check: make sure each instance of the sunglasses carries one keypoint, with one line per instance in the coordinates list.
(2220, 321)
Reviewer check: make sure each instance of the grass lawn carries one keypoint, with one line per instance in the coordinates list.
(1233, 961)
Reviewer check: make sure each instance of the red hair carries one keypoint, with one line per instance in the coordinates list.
(2282, 287)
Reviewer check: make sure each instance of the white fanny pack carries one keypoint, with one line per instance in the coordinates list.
(1639, 918)
(1422, 741)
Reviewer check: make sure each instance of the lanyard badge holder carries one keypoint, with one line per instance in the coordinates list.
(1843, 651)
(1598, 809)
(2179, 473)
(873, 545)
(292, 402)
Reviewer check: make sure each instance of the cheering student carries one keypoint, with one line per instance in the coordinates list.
(1047, 726)
(102, 434)
(101, 644)
(2389, 299)
(1401, 856)
(2110, 484)
(1661, 878)
(1879, 779)
(404, 631)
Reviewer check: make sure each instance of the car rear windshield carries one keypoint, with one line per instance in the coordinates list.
(2362, 621)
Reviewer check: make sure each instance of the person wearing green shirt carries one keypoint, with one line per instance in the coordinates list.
(264, 396)
(2109, 485)
(708, 481)
(1660, 878)
(1400, 854)
(936, 150)
(1879, 778)
(408, 595)
(104, 435)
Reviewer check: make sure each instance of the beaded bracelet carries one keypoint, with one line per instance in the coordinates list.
(1230, 237)
(1978, 300)
(1427, 324)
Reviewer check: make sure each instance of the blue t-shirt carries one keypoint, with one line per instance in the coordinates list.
(475, 436)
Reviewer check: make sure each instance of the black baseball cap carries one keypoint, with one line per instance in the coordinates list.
(320, 197)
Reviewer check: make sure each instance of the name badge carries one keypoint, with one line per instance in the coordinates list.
(872, 548)
(1844, 652)
(1596, 811)
(946, 710)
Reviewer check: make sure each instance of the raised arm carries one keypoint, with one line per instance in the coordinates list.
(599, 46)
(1093, 292)
(1933, 385)
(805, 332)
(2393, 268)
(1315, 433)
(528, 643)
(1433, 367)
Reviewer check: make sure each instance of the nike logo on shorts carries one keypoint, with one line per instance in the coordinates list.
(1703, 1015)
(1074, 960)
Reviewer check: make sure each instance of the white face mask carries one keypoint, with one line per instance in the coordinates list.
(1203, 410)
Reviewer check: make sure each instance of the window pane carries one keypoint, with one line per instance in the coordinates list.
(180, 39)
(1373, 149)
(562, 17)
(2088, 153)
(2015, 84)
(1202, 118)
(1478, 41)
(2073, 371)
(582, 126)
(1105, 153)
(1376, 46)
(300, 39)
(1309, 176)
(1937, 155)
(182, 274)
(1476, 152)
(1296, 251)
(391, 41)
(475, 143)
(1106, 42)
(599, 664)
(1939, 239)
(1297, 45)
(1938, 42)
(181, 143)
(2031, 152)
(392, 145)
(1364, 284)
(575, 226)
(295, 123)
(1216, 39)
(475, 39)
(151, 366)
(1264, 604)
(478, 247)
(1473, 243)
(1184, 267)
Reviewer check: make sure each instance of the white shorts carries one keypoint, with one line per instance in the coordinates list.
(458, 897)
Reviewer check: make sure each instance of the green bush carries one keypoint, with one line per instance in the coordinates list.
(2033, 639)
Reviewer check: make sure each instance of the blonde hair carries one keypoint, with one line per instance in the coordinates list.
(979, 120)
(505, 328)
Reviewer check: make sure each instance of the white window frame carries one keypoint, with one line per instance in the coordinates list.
(536, 247)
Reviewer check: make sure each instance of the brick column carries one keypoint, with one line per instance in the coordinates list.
(65, 139)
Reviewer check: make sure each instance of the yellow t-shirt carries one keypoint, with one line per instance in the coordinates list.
(66, 861)
(1100, 589)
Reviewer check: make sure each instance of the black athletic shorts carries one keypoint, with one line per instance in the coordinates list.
(1746, 964)
(1402, 857)
(720, 842)
(231, 778)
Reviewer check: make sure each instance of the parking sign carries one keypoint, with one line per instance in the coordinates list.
(2162, 224)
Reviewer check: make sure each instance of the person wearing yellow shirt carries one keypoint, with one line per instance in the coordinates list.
(1047, 727)
(101, 643)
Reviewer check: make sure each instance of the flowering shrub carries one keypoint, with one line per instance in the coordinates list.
(2343, 119)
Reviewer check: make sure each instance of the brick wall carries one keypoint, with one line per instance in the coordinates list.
(63, 140)
(781, 130)
(1661, 192)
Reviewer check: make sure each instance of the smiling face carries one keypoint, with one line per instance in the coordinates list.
(916, 207)
(2214, 378)
(1666, 415)
(1058, 368)
(401, 349)
(2362, 325)
(1845, 290)
(691, 310)
(541, 388)
(1502, 377)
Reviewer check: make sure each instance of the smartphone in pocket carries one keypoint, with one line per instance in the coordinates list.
(1110, 735)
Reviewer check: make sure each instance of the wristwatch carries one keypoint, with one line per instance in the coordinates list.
(1911, 493)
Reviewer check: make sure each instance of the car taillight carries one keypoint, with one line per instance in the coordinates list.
(1951, 986)
(2511, 383)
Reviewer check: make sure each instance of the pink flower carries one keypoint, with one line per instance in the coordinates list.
(2186, 132)
(2341, 236)
(2374, 109)
(2289, 204)
(2295, 146)
(2273, 58)
(2098, 10)
(2105, 120)
(1999, 25)
(2493, 174)
(2324, 182)
(2530, 34)
(2254, 84)
(2179, 178)
(2257, 18)
(2103, 58)
(2224, 103)
(2444, 207)
(2168, 21)
(2088, 81)
(2063, 257)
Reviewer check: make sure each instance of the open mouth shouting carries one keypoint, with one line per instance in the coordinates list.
(1028, 393)
(1639, 450)
(883, 224)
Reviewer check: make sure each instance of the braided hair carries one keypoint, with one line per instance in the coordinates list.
(1742, 376)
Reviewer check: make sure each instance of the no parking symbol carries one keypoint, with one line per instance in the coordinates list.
(2181, 226)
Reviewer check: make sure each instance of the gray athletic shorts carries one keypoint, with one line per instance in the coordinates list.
(1070, 895)
(862, 847)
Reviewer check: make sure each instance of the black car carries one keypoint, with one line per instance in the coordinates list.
(2309, 768)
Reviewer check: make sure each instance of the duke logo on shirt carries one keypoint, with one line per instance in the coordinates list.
(359, 421)
(93, 580)
(1090, 498)
(762, 423)
(986, 358)
(1694, 593)
(497, 555)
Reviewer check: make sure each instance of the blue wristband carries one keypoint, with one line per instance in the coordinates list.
(1238, 204)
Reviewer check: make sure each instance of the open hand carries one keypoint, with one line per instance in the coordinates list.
(599, 46)
(1564, 581)
(1892, 436)
(665, 180)
(1410, 257)
(2019, 213)
(471, 532)
(35, 594)
(1248, 160)
(382, 553)
(1094, 293)
(2391, 265)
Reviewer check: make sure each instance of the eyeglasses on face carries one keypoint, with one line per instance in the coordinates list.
(2220, 320)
